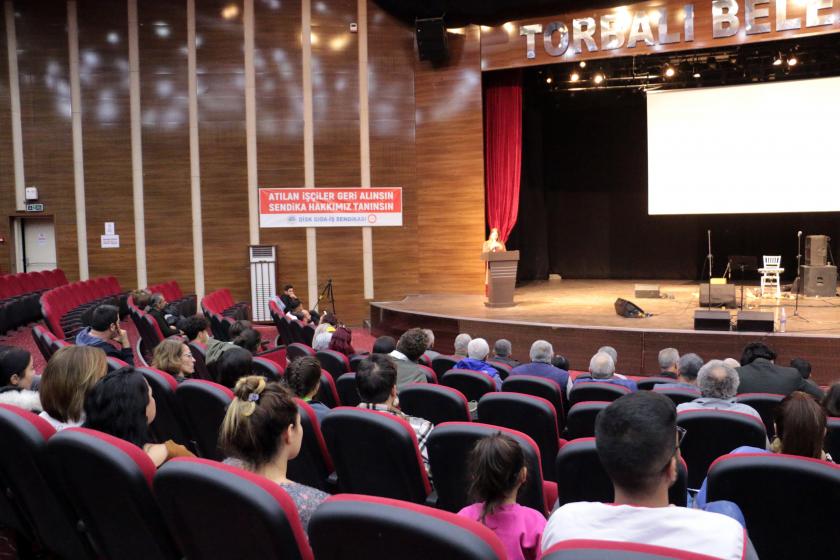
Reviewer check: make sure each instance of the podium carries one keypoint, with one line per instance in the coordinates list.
(501, 277)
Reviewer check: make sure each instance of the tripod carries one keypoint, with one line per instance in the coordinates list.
(327, 293)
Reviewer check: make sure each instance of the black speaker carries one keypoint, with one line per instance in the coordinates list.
(628, 309)
(709, 320)
(431, 39)
(819, 281)
(816, 249)
(756, 321)
(721, 295)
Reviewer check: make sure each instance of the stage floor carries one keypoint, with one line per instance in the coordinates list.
(590, 303)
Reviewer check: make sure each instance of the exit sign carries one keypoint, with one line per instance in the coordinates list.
(34, 207)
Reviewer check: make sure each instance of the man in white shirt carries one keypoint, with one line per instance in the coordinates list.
(638, 444)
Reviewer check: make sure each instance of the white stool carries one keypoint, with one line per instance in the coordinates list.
(770, 276)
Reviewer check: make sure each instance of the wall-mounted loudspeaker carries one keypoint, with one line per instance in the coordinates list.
(628, 309)
(431, 39)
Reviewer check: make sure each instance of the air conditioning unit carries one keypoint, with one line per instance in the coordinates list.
(263, 259)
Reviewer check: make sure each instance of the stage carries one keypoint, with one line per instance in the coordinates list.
(578, 316)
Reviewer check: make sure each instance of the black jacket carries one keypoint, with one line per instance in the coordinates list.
(763, 376)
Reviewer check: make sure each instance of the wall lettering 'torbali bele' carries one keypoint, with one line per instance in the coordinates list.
(656, 26)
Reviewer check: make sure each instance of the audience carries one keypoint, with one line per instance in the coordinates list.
(16, 379)
(804, 368)
(601, 370)
(249, 339)
(501, 352)
(478, 350)
(323, 327)
(560, 362)
(156, 308)
(262, 430)
(688, 367)
(384, 345)
(831, 401)
(732, 362)
(105, 333)
(614, 355)
(718, 385)
(121, 404)
(304, 379)
(462, 341)
(376, 383)
(409, 348)
(759, 374)
(639, 447)
(233, 364)
(69, 376)
(141, 298)
(322, 341)
(669, 362)
(175, 358)
(541, 355)
(341, 341)
(430, 344)
(196, 328)
(498, 470)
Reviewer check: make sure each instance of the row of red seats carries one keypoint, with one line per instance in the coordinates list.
(58, 302)
(19, 295)
(170, 290)
(222, 311)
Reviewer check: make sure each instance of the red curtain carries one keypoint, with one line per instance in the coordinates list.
(502, 149)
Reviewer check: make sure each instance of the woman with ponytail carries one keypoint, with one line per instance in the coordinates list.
(498, 467)
(262, 430)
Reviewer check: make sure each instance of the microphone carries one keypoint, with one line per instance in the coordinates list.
(799, 233)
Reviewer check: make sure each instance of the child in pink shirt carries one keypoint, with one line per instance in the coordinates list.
(498, 467)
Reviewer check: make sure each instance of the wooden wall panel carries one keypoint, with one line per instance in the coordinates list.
(391, 55)
(7, 171)
(166, 142)
(335, 97)
(221, 117)
(106, 129)
(45, 114)
(279, 95)
(450, 169)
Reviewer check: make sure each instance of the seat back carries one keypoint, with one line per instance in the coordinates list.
(449, 448)
(346, 387)
(578, 461)
(296, 328)
(298, 350)
(714, 433)
(832, 436)
(441, 364)
(334, 362)
(41, 341)
(169, 422)
(31, 487)
(269, 369)
(473, 384)
(382, 529)
(765, 404)
(199, 352)
(198, 498)
(679, 395)
(435, 403)
(313, 465)
(587, 549)
(772, 261)
(375, 453)
(97, 468)
(204, 404)
(328, 393)
(528, 414)
(581, 420)
(503, 369)
(539, 387)
(649, 383)
(789, 502)
(595, 391)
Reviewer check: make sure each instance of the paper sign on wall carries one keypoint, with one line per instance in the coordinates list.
(109, 228)
(110, 241)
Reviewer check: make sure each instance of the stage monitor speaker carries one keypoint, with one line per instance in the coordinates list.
(717, 295)
(431, 39)
(819, 281)
(755, 321)
(647, 291)
(816, 249)
(712, 320)
(628, 309)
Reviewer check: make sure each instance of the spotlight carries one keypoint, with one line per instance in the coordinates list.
(778, 60)
(575, 77)
(669, 72)
(548, 80)
(792, 60)
(599, 78)
(583, 64)
(696, 74)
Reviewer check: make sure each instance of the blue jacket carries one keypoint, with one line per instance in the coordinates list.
(541, 369)
(84, 338)
(478, 365)
(629, 383)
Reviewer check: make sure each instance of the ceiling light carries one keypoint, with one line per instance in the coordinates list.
(548, 80)
(696, 74)
(669, 72)
(778, 60)
(230, 11)
(599, 77)
(792, 60)
(583, 64)
(575, 77)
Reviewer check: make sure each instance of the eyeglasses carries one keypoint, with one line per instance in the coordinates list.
(187, 355)
(680, 436)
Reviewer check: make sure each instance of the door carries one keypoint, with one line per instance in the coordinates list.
(38, 244)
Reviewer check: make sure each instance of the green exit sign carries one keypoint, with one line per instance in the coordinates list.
(34, 207)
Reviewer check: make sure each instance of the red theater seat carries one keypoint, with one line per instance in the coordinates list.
(442, 364)
(328, 393)
(346, 387)
(473, 384)
(648, 383)
(298, 350)
(596, 391)
(204, 405)
(169, 420)
(679, 395)
(435, 403)
(313, 465)
(269, 369)
(539, 387)
(581, 420)
(765, 404)
(334, 362)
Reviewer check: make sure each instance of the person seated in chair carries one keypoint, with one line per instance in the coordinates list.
(687, 368)
(502, 349)
(410, 347)
(175, 358)
(478, 350)
(384, 345)
(304, 379)
(759, 374)
(461, 343)
(16, 379)
(342, 341)
(718, 384)
(639, 447)
(541, 355)
(803, 366)
(601, 370)
(430, 352)
(669, 359)
(831, 402)
(376, 383)
(105, 333)
(157, 309)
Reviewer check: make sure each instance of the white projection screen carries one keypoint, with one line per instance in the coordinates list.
(759, 148)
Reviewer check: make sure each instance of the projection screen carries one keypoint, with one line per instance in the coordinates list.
(771, 147)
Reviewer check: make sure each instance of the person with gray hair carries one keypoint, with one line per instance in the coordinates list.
(602, 370)
(540, 366)
(461, 343)
(430, 344)
(718, 383)
(501, 353)
(687, 368)
(478, 350)
(614, 355)
(669, 362)
(322, 341)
